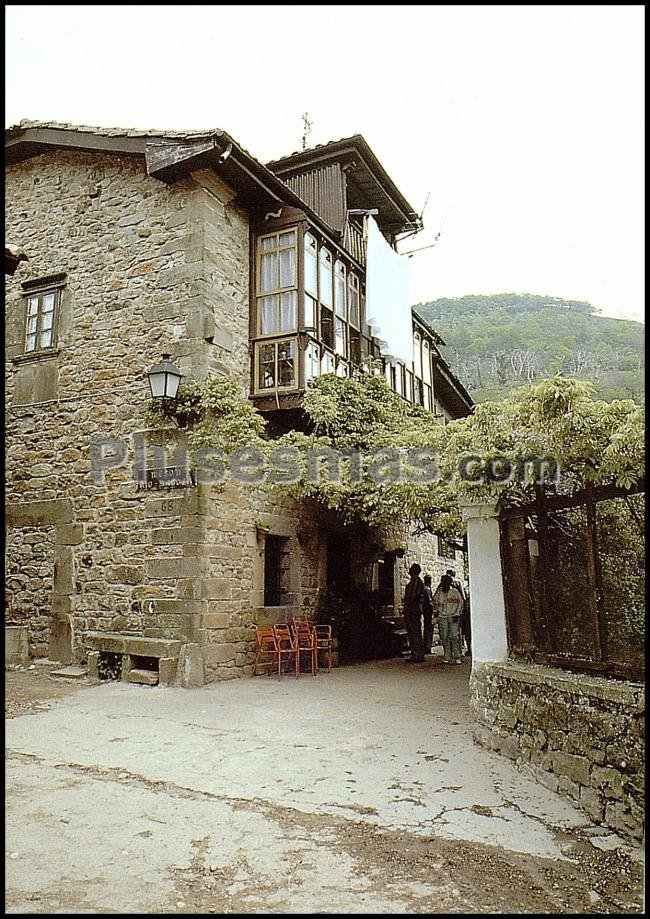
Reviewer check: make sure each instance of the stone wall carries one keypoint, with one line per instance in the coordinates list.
(423, 549)
(579, 735)
(149, 268)
(29, 581)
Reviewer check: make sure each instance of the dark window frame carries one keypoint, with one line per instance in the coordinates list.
(38, 289)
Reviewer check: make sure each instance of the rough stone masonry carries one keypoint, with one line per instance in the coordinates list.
(146, 268)
(579, 735)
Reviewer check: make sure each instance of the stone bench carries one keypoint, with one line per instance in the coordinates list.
(133, 649)
(16, 644)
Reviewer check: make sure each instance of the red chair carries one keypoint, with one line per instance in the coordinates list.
(286, 645)
(305, 642)
(265, 646)
(323, 639)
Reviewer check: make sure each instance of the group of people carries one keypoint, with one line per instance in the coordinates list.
(448, 605)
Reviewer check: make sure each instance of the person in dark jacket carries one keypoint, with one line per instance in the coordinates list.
(428, 615)
(466, 626)
(415, 602)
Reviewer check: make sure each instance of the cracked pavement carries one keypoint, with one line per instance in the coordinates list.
(357, 791)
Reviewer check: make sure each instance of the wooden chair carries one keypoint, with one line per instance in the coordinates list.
(286, 644)
(265, 646)
(305, 642)
(323, 639)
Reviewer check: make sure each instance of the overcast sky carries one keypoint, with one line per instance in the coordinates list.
(525, 124)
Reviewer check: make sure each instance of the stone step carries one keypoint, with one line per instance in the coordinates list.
(145, 677)
(71, 673)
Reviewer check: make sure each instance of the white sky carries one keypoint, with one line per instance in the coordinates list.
(524, 123)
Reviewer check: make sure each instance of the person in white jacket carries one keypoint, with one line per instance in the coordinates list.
(448, 604)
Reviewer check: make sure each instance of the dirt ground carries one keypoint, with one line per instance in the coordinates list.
(30, 688)
(230, 836)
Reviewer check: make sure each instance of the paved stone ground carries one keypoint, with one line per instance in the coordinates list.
(357, 791)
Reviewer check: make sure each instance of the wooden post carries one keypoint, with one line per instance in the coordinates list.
(516, 573)
(596, 576)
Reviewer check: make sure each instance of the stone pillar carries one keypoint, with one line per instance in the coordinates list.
(488, 614)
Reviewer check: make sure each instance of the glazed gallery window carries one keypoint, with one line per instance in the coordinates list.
(426, 362)
(328, 363)
(311, 280)
(417, 355)
(325, 277)
(340, 299)
(332, 299)
(39, 328)
(312, 362)
(276, 365)
(340, 337)
(353, 300)
(277, 283)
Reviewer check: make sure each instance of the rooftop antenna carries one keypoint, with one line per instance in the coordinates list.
(424, 206)
(436, 239)
(307, 125)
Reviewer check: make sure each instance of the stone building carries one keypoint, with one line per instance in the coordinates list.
(143, 243)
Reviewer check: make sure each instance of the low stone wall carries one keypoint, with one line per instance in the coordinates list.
(579, 735)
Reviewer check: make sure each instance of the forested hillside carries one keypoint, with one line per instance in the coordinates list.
(497, 342)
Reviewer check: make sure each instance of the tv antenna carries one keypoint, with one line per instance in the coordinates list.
(307, 125)
(424, 206)
(436, 239)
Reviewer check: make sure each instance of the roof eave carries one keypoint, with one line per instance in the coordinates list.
(359, 147)
(167, 158)
(428, 328)
(465, 401)
(23, 143)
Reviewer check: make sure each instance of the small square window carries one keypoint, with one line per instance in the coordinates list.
(40, 320)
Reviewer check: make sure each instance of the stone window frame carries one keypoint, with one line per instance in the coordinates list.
(39, 287)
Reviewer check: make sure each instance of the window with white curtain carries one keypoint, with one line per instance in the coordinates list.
(277, 282)
(312, 361)
(325, 277)
(353, 299)
(340, 337)
(311, 265)
(400, 379)
(426, 362)
(417, 354)
(340, 300)
(327, 362)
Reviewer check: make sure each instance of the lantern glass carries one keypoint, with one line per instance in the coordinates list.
(172, 382)
(164, 379)
(157, 384)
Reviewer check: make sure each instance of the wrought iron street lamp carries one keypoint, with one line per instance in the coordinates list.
(164, 379)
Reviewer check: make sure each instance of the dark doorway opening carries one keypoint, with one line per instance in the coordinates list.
(360, 603)
(339, 568)
(276, 570)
